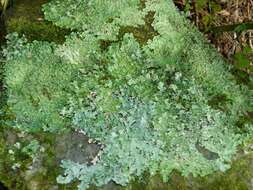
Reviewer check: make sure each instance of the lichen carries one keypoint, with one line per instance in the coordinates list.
(148, 102)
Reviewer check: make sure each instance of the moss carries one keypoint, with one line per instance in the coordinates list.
(42, 31)
(11, 178)
(219, 102)
(45, 169)
(247, 118)
(242, 77)
(239, 177)
(142, 33)
(26, 18)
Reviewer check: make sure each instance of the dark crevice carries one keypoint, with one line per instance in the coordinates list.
(2, 186)
(242, 77)
(218, 102)
(207, 154)
(2, 30)
(2, 42)
(247, 118)
(142, 4)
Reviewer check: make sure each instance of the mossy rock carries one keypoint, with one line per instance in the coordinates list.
(43, 31)
(26, 18)
(41, 173)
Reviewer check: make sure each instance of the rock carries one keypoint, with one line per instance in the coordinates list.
(77, 149)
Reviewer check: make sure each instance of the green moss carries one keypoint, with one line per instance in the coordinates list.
(42, 31)
(44, 176)
(26, 18)
(12, 179)
(239, 177)
(142, 33)
(247, 118)
(242, 77)
(219, 102)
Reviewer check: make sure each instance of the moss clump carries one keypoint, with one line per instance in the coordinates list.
(33, 172)
(26, 17)
(239, 177)
(43, 31)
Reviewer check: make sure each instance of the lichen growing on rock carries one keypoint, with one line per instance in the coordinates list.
(149, 106)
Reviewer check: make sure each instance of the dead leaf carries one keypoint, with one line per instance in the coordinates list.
(224, 13)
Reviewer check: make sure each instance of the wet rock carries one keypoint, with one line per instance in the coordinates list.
(11, 137)
(75, 146)
(209, 155)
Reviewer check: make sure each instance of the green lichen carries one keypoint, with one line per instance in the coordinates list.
(148, 101)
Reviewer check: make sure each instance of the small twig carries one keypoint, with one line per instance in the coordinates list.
(232, 28)
(236, 11)
(196, 13)
(250, 18)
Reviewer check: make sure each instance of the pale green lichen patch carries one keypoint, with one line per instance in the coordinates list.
(148, 102)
